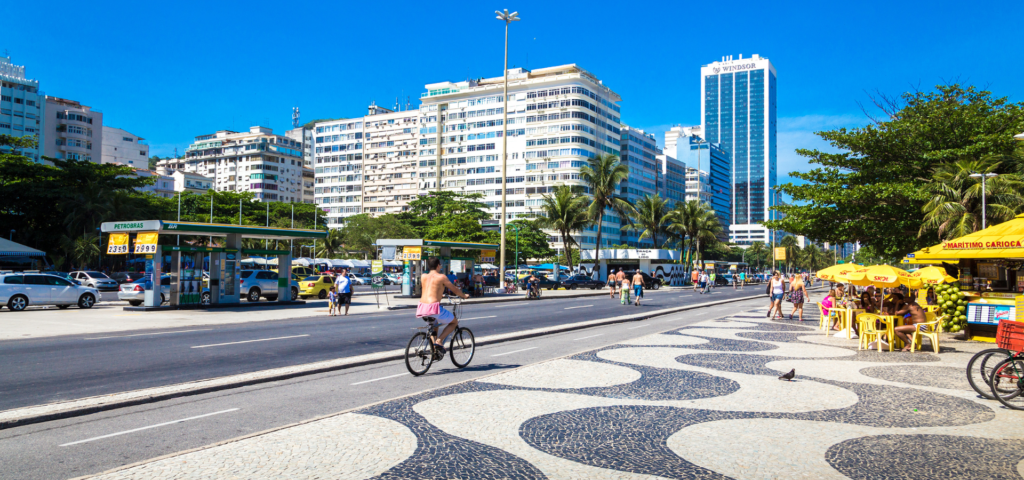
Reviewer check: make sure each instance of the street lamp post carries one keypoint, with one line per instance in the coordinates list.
(983, 177)
(507, 18)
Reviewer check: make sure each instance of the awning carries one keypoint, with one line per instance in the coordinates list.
(1005, 240)
(12, 249)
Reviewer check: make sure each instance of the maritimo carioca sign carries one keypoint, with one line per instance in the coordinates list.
(983, 245)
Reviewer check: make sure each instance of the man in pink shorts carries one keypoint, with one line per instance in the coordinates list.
(434, 284)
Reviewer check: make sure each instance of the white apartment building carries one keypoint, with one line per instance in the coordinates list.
(390, 160)
(162, 187)
(257, 161)
(305, 136)
(22, 107)
(73, 131)
(338, 167)
(122, 147)
(558, 118)
(191, 182)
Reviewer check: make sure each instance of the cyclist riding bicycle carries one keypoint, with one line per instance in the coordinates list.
(534, 284)
(434, 284)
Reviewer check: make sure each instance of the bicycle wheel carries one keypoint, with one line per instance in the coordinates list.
(1007, 383)
(979, 370)
(419, 354)
(462, 347)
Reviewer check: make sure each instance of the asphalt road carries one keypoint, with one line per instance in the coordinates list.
(42, 451)
(45, 370)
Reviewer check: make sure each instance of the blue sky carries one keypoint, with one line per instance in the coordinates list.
(169, 71)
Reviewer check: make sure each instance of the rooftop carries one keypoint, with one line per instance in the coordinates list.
(516, 75)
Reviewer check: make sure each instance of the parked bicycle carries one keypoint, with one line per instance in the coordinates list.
(1006, 380)
(420, 353)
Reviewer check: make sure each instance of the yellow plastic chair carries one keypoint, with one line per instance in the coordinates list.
(825, 322)
(889, 323)
(932, 308)
(931, 329)
(868, 330)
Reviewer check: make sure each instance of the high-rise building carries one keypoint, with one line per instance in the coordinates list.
(338, 166)
(558, 118)
(22, 107)
(712, 183)
(73, 131)
(738, 111)
(257, 161)
(390, 160)
(120, 146)
(673, 179)
(639, 151)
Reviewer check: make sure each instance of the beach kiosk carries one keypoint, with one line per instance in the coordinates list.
(991, 263)
(200, 275)
(414, 252)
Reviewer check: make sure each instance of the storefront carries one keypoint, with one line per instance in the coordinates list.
(200, 276)
(991, 268)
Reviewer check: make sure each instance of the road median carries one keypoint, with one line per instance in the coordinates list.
(86, 406)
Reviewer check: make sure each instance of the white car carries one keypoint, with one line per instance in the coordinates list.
(262, 283)
(97, 280)
(18, 291)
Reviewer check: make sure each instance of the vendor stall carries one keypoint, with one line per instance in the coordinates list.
(991, 274)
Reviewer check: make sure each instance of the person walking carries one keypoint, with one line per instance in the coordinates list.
(695, 278)
(797, 295)
(638, 287)
(344, 286)
(619, 278)
(332, 300)
(611, 284)
(703, 280)
(624, 291)
(711, 279)
(776, 290)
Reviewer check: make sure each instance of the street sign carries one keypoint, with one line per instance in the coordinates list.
(145, 242)
(376, 267)
(780, 253)
(118, 244)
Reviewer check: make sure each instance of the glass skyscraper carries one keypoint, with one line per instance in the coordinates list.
(738, 112)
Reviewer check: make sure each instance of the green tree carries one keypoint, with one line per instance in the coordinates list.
(873, 191)
(448, 214)
(693, 226)
(361, 232)
(648, 217)
(533, 242)
(332, 246)
(566, 212)
(81, 250)
(757, 252)
(954, 207)
(792, 251)
(814, 259)
(603, 175)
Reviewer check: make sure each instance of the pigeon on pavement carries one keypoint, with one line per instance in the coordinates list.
(789, 376)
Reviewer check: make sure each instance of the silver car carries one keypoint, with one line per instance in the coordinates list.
(262, 283)
(135, 292)
(18, 291)
(97, 280)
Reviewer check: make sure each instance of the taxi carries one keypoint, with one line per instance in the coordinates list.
(315, 286)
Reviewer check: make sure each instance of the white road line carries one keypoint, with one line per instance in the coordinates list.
(639, 326)
(251, 341)
(381, 378)
(142, 334)
(581, 306)
(514, 351)
(592, 336)
(513, 305)
(477, 318)
(149, 427)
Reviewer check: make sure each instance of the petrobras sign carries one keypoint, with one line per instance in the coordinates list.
(134, 226)
(734, 68)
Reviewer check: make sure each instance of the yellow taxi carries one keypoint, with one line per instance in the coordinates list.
(299, 270)
(315, 286)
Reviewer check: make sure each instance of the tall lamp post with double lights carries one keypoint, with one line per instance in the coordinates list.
(507, 18)
(983, 177)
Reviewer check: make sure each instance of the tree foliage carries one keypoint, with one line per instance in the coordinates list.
(874, 190)
(532, 241)
(603, 175)
(566, 212)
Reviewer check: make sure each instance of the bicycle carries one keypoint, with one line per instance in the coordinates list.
(980, 368)
(1007, 380)
(420, 353)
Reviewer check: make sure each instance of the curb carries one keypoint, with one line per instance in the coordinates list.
(89, 405)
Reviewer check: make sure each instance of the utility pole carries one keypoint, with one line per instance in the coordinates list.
(507, 18)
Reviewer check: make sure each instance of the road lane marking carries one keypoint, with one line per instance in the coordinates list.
(584, 338)
(477, 318)
(381, 378)
(513, 305)
(639, 326)
(251, 341)
(581, 306)
(143, 334)
(514, 351)
(147, 428)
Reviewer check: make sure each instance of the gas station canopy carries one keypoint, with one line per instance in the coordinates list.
(166, 227)
(416, 242)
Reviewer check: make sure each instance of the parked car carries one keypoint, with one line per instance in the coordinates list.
(359, 279)
(262, 283)
(135, 292)
(98, 280)
(650, 283)
(582, 281)
(126, 277)
(315, 286)
(19, 290)
(545, 282)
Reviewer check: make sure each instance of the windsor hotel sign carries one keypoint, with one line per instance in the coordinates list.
(735, 68)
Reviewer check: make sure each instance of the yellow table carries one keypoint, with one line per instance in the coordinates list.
(846, 318)
(891, 322)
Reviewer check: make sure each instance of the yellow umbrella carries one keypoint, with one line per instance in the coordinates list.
(856, 277)
(885, 276)
(932, 276)
(830, 273)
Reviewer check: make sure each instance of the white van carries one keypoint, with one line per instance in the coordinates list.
(19, 290)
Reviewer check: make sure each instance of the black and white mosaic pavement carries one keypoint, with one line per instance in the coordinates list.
(698, 402)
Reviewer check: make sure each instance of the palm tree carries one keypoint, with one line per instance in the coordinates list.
(954, 209)
(331, 246)
(566, 212)
(602, 175)
(757, 251)
(81, 250)
(695, 226)
(813, 258)
(648, 217)
(680, 228)
(706, 229)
